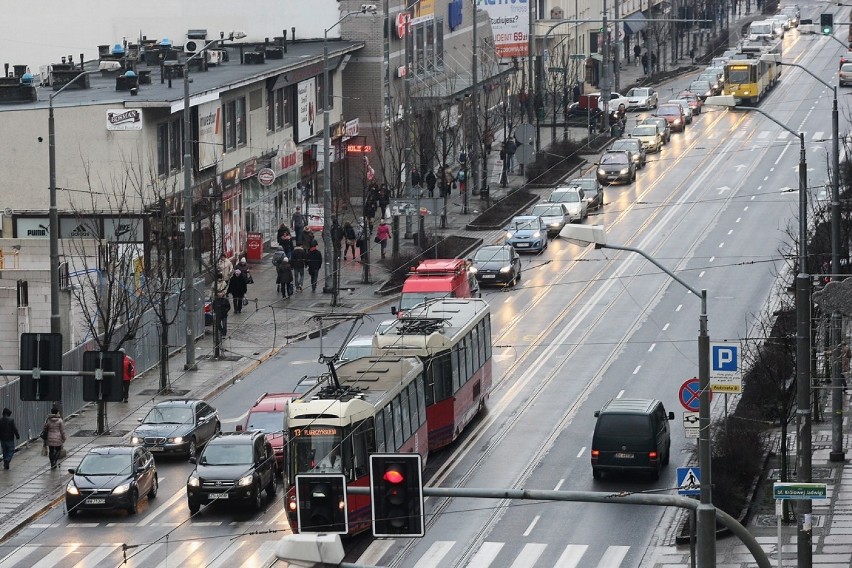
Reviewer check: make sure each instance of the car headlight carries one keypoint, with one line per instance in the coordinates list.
(123, 488)
(555, 224)
(602, 171)
(509, 234)
(677, 121)
(537, 234)
(245, 481)
(71, 488)
(505, 270)
(176, 440)
(136, 440)
(624, 171)
(193, 481)
(473, 270)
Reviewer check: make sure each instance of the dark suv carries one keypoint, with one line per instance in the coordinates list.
(234, 466)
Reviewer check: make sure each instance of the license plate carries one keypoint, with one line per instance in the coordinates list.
(155, 449)
(95, 501)
(218, 495)
(489, 276)
(623, 456)
(522, 245)
(611, 177)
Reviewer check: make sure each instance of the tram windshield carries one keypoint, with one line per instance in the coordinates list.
(316, 449)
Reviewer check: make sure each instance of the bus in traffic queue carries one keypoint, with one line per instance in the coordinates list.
(364, 406)
(452, 336)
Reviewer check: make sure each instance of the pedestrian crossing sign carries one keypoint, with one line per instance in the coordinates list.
(688, 480)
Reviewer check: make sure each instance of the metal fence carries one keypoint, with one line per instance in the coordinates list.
(144, 348)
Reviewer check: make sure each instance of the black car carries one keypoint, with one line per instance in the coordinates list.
(236, 466)
(592, 189)
(496, 264)
(111, 477)
(616, 167)
(177, 427)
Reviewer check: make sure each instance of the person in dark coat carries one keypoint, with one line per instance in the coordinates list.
(285, 277)
(282, 230)
(285, 241)
(298, 223)
(8, 435)
(384, 199)
(221, 306)
(237, 287)
(55, 428)
(645, 63)
(349, 239)
(297, 262)
(361, 242)
(637, 51)
(511, 148)
(314, 262)
(431, 181)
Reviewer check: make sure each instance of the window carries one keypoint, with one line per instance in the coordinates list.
(235, 123)
(397, 423)
(487, 339)
(426, 52)
(380, 433)
(404, 408)
(169, 146)
(279, 108)
(321, 92)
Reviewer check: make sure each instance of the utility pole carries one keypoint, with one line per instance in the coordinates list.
(837, 453)
(606, 85)
(474, 88)
(618, 46)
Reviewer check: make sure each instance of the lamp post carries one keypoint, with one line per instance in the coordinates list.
(706, 533)
(804, 532)
(53, 222)
(330, 260)
(188, 251)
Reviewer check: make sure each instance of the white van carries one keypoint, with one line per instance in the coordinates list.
(763, 29)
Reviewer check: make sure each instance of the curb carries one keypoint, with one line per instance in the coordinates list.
(492, 227)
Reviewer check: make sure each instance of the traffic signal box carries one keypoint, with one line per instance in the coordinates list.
(107, 389)
(826, 23)
(42, 351)
(321, 503)
(396, 494)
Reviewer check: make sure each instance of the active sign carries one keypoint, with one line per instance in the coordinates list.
(725, 373)
(799, 490)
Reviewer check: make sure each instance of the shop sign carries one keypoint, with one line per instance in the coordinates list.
(249, 168)
(289, 157)
(266, 176)
(32, 227)
(403, 23)
(124, 119)
(351, 129)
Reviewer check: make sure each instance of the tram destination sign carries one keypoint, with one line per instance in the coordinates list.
(799, 490)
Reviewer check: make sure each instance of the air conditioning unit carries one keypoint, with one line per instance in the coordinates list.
(195, 40)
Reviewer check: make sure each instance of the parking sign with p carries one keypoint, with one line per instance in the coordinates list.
(725, 367)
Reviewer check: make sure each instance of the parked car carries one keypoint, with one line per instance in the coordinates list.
(662, 125)
(642, 97)
(844, 76)
(111, 477)
(674, 115)
(616, 167)
(496, 264)
(649, 135)
(234, 467)
(592, 191)
(687, 111)
(632, 145)
(269, 415)
(574, 198)
(700, 88)
(694, 102)
(554, 215)
(177, 427)
(527, 233)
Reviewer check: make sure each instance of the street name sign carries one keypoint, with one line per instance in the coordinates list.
(799, 490)
(725, 375)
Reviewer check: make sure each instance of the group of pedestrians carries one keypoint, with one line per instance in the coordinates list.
(229, 280)
(297, 250)
(52, 434)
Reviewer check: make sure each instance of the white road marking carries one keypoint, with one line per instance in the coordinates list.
(58, 554)
(738, 220)
(665, 327)
(138, 556)
(433, 556)
(561, 481)
(679, 306)
(176, 557)
(579, 455)
(532, 525)
(721, 244)
(95, 557)
(731, 231)
(745, 208)
(784, 134)
(613, 556)
(571, 556)
(620, 394)
(701, 274)
(485, 555)
(162, 508)
(762, 134)
(529, 555)
(636, 370)
(818, 135)
(651, 348)
(19, 554)
(262, 557)
(712, 258)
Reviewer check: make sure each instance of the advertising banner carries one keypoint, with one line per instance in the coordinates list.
(316, 218)
(209, 134)
(510, 22)
(306, 107)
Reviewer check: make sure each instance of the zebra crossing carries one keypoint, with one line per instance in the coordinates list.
(532, 554)
(211, 554)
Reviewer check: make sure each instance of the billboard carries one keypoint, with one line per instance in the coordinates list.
(306, 107)
(209, 134)
(510, 22)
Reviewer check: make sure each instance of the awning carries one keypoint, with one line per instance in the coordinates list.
(635, 23)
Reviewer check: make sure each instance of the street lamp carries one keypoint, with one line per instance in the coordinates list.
(803, 335)
(706, 533)
(188, 252)
(53, 214)
(330, 260)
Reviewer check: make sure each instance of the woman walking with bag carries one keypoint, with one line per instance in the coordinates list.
(53, 435)
(383, 235)
(349, 235)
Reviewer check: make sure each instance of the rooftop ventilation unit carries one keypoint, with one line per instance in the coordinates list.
(195, 41)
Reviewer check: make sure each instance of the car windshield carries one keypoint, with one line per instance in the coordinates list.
(637, 92)
(614, 158)
(645, 130)
(357, 351)
(305, 384)
(105, 464)
(623, 425)
(565, 197)
(682, 102)
(545, 210)
(266, 421)
(668, 111)
(709, 78)
(847, 68)
(492, 254)
(624, 144)
(699, 86)
(169, 415)
(409, 301)
(227, 454)
(586, 184)
(524, 223)
(656, 122)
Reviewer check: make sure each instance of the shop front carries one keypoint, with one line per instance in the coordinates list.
(271, 192)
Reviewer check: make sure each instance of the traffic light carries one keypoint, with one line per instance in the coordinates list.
(321, 503)
(826, 23)
(42, 351)
(396, 493)
(107, 389)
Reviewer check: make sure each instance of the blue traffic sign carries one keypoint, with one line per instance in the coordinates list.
(689, 394)
(724, 358)
(689, 481)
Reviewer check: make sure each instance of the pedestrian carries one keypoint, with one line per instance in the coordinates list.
(237, 288)
(575, 92)
(654, 67)
(336, 236)
(511, 148)
(383, 235)
(8, 435)
(221, 306)
(286, 243)
(461, 178)
(225, 267)
(416, 178)
(384, 200)
(282, 230)
(54, 436)
(372, 204)
(361, 242)
(637, 51)
(349, 237)
(846, 356)
(285, 277)
(307, 239)
(277, 257)
(128, 375)
(488, 140)
(314, 262)
(645, 63)
(298, 223)
(297, 263)
(431, 182)
(692, 55)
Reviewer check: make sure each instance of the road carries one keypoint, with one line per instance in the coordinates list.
(584, 326)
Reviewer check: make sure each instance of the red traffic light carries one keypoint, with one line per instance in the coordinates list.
(393, 475)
